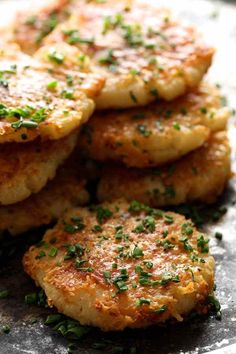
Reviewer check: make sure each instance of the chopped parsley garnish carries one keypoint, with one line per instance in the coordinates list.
(143, 301)
(215, 304)
(103, 214)
(137, 252)
(40, 255)
(168, 218)
(120, 280)
(86, 269)
(132, 34)
(107, 275)
(143, 130)
(36, 299)
(108, 58)
(75, 226)
(73, 251)
(56, 57)
(6, 329)
(47, 26)
(53, 252)
(53, 319)
(146, 225)
(218, 236)
(69, 80)
(51, 86)
(34, 117)
(203, 110)
(97, 228)
(133, 97)
(68, 93)
(166, 244)
(186, 229)
(162, 309)
(202, 243)
(71, 329)
(154, 92)
(186, 244)
(73, 37)
(110, 23)
(135, 206)
(148, 264)
(176, 126)
(4, 294)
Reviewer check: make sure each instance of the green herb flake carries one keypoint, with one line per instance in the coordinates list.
(97, 228)
(202, 243)
(133, 97)
(203, 110)
(40, 255)
(143, 301)
(186, 244)
(53, 252)
(4, 294)
(168, 218)
(176, 126)
(148, 264)
(162, 309)
(107, 275)
(31, 299)
(137, 252)
(154, 92)
(73, 37)
(143, 130)
(68, 93)
(56, 57)
(53, 319)
(108, 58)
(6, 329)
(52, 85)
(103, 214)
(218, 236)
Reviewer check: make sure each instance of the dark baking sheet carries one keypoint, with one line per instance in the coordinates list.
(217, 20)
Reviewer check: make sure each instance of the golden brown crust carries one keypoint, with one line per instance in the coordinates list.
(67, 190)
(158, 133)
(36, 103)
(123, 266)
(26, 168)
(143, 51)
(198, 176)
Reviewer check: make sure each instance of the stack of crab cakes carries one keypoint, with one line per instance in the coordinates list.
(158, 132)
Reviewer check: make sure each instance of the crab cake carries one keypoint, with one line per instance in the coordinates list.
(31, 27)
(143, 50)
(119, 265)
(34, 103)
(199, 176)
(156, 134)
(67, 190)
(26, 168)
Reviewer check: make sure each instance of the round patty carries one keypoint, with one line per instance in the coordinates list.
(26, 168)
(143, 51)
(35, 103)
(158, 133)
(198, 176)
(66, 191)
(123, 265)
